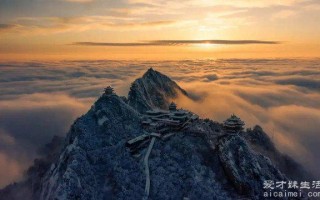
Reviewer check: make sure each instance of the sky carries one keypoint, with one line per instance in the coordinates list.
(40, 99)
(158, 29)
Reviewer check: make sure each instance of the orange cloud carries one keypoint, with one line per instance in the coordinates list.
(11, 170)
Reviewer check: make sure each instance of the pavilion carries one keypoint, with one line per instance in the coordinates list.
(233, 124)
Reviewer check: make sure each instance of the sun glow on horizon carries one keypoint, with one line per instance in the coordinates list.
(46, 30)
(207, 46)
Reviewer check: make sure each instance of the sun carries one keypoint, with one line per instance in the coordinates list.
(206, 45)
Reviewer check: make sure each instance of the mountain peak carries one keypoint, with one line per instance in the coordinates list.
(150, 70)
(153, 90)
(151, 73)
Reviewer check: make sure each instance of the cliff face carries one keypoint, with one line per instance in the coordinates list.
(94, 157)
(246, 169)
(200, 161)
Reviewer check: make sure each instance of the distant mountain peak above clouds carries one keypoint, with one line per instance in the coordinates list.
(149, 71)
(153, 90)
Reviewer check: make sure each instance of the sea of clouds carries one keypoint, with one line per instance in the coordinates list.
(42, 99)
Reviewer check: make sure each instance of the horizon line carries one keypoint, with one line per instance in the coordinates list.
(175, 43)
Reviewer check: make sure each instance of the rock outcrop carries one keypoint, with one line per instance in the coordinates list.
(246, 169)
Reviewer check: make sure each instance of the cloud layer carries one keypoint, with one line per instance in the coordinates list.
(26, 123)
(175, 43)
(42, 99)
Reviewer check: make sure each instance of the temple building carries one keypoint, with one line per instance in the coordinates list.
(172, 119)
(180, 115)
(108, 90)
(172, 107)
(161, 124)
(233, 124)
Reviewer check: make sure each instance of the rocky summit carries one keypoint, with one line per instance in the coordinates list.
(153, 90)
(135, 148)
